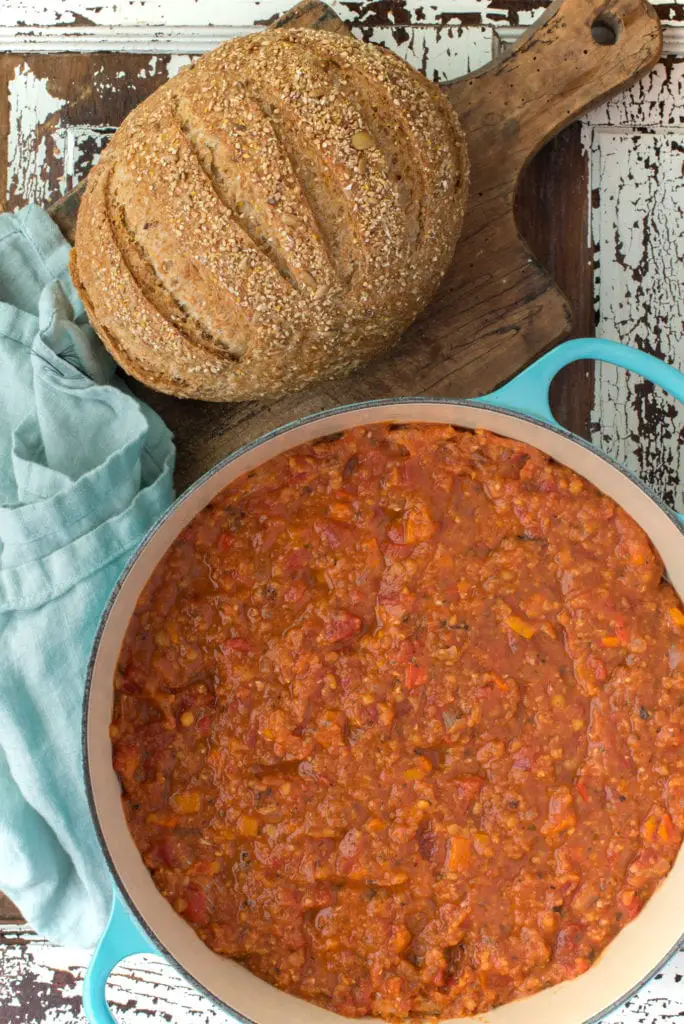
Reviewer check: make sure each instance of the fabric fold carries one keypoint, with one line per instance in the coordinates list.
(85, 470)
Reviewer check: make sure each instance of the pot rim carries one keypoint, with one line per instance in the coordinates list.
(389, 403)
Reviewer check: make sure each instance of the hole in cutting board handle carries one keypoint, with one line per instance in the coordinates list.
(605, 30)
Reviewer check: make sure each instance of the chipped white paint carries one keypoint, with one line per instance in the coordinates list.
(45, 982)
(200, 12)
(655, 101)
(441, 53)
(142, 26)
(38, 983)
(118, 38)
(84, 143)
(636, 147)
(30, 143)
(176, 62)
(145, 988)
(20, 13)
(135, 12)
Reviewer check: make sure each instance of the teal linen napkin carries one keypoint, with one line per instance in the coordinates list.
(85, 469)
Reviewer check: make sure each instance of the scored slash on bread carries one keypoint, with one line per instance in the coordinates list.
(277, 214)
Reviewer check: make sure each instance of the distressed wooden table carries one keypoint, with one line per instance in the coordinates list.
(601, 207)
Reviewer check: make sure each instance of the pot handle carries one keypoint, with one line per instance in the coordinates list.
(528, 392)
(122, 937)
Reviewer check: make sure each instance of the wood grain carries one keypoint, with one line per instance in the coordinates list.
(498, 308)
(420, 32)
(553, 215)
(8, 912)
(41, 984)
(50, 101)
(635, 145)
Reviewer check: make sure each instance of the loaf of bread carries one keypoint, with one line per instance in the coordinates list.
(277, 214)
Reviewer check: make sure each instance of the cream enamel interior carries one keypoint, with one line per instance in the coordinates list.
(634, 952)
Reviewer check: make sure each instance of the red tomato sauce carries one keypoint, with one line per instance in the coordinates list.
(398, 722)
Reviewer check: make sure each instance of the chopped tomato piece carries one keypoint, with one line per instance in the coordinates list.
(416, 675)
(237, 644)
(341, 626)
(196, 901)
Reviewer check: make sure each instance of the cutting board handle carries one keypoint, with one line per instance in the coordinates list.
(557, 69)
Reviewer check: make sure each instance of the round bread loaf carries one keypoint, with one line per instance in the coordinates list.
(278, 213)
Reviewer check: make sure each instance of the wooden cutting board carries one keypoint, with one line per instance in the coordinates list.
(497, 308)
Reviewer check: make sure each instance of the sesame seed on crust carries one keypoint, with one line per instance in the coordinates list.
(277, 215)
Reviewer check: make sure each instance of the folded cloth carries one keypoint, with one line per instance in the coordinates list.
(85, 469)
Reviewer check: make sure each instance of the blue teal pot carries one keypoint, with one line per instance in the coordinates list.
(143, 922)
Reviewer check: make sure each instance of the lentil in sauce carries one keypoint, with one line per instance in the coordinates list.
(398, 722)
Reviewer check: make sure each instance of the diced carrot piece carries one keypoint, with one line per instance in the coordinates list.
(610, 641)
(649, 828)
(626, 897)
(163, 819)
(186, 803)
(342, 511)
(677, 616)
(666, 830)
(375, 824)
(483, 844)
(248, 825)
(518, 625)
(458, 857)
(420, 769)
(205, 867)
(401, 939)
(418, 525)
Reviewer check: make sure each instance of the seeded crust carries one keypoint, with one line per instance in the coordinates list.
(277, 214)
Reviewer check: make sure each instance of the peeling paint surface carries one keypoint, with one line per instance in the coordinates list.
(440, 52)
(135, 12)
(46, 151)
(83, 147)
(41, 984)
(35, 138)
(636, 146)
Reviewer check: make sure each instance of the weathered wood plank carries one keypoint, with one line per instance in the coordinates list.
(8, 912)
(636, 147)
(55, 129)
(445, 39)
(41, 984)
(553, 215)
